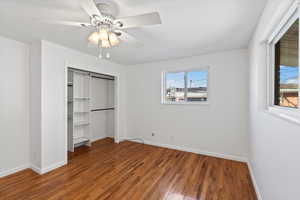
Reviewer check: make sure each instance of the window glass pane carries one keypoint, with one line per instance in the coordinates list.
(175, 87)
(197, 86)
(286, 68)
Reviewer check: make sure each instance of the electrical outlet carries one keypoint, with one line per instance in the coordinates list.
(153, 134)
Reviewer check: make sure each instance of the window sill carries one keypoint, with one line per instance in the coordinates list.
(286, 114)
(186, 103)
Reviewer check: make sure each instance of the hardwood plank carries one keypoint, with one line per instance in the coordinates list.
(133, 171)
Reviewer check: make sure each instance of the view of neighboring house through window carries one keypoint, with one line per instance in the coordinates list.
(186, 86)
(197, 85)
(175, 87)
(286, 77)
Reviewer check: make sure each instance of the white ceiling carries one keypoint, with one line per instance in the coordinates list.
(189, 27)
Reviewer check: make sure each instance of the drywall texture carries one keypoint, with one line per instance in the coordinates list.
(14, 106)
(219, 128)
(274, 142)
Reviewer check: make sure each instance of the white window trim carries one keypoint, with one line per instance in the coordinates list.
(289, 114)
(163, 87)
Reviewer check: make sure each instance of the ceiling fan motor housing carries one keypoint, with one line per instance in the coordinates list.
(104, 20)
(108, 7)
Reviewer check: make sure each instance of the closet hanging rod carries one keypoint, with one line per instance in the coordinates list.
(103, 78)
(103, 109)
(91, 73)
(79, 72)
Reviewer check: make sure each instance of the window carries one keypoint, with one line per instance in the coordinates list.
(175, 87)
(185, 86)
(283, 66)
(286, 71)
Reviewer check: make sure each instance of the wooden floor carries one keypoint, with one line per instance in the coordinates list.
(134, 171)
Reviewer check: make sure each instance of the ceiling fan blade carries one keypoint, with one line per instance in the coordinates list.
(68, 23)
(129, 39)
(90, 8)
(139, 20)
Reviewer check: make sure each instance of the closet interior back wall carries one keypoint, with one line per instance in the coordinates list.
(102, 106)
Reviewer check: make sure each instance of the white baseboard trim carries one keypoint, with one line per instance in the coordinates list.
(42, 171)
(193, 150)
(53, 167)
(98, 138)
(258, 193)
(122, 139)
(14, 170)
(36, 169)
(33, 167)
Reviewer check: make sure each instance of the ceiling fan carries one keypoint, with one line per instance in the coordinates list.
(107, 30)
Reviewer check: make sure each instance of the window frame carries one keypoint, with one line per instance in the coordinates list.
(164, 87)
(288, 113)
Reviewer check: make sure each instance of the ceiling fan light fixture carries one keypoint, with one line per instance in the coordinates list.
(105, 44)
(94, 38)
(113, 39)
(103, 34)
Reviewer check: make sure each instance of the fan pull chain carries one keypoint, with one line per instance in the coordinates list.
(100, 50)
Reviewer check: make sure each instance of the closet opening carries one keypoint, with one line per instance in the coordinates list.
(91, 108)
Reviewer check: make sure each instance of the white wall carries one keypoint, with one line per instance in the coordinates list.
(35, 138)
(274, 142)
(218, 128)
(33, 111)
(14, 106)
(54, 60)
(111, 113)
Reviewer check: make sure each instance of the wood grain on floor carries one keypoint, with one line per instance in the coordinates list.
(133, 171)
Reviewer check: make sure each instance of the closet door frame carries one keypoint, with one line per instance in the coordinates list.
(116, 100)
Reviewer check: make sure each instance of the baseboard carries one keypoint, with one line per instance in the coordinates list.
(197, 151)
(101, 138)
(258, 193)
(33, 167)
(36, 169)
(122, 139)
(98, 138)
(53, 167)
(14, 170)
